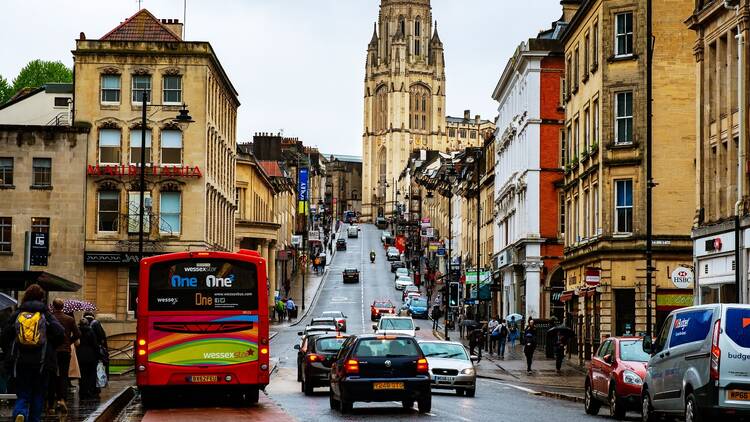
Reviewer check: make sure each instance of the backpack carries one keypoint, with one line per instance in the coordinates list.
(31, 329)
(503, 331)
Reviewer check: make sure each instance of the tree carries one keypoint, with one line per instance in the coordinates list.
(39, 72)
(6, 91)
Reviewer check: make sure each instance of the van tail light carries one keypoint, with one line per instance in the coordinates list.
(715, 351)
(422, 366)
(315, 358)
(352, 366)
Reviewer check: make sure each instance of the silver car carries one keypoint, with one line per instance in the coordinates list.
(451, 367)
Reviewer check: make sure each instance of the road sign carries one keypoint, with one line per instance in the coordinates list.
(39, 249)
(441, 252)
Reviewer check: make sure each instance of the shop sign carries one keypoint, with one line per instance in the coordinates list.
(670, 301)
(714, 245)
(39, 249)
(441, 251)
(433, 246)
(296, 240)
(471, 277)
(428, 232)
(682, 277)
(314, 235)
(426, 220)
(122, 170)
(593, 276)
(115, 258)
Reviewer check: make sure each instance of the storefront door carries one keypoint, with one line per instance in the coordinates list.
(624, 312)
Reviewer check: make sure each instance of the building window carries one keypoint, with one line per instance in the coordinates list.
(586, 129)
(109, 210)
(595, 44)
(586, 214)
(111, 89)
(595, 124)
(576, 64)
(568, 76)
(133, 276)
(586, 56)
(42, 172)
(172, 87)
(624, 117)
(418, 28)
(109, 146)
(452, 133)
(624, 206)
(576, 139)
(6, 171)
(170, 206)
(562, 148)
(473, 134)
(562, 214)
(562, 91)
(569, 138)
(624, 34)
(576, 229)
(595, 213)
(136, 138)
(134, 207)
(6, 234)
(462, 133)
(61, 101)
(417, 47)
(141, 85)
(40, 224)
(171, 147)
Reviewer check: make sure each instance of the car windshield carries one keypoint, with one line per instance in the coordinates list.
(444, 350)
(386, 348)
(329, 345)
(632, 351)
(419, 303)
(396, 324)
(323, 321)
(392, 250)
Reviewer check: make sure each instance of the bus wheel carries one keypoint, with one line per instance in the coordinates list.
(148, 400)
(251, 396)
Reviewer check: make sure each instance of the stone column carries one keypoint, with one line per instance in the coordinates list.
(533, 288)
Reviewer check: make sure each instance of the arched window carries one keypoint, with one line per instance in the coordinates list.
(381, 109)
(418, 27)
(402, 25)
(382, 168)
(420, 108)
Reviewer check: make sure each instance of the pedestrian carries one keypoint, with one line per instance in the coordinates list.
(502, 338)
(287, 286)
(435, 316)
(58, 390)
(89, 354)
(513, 333)
(461, 325)
(290, 308)
(31, 335)
(559, 351)
(101, 338)
(491, 325)
(476, 340)
(529, 344)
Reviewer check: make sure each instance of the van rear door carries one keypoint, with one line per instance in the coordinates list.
(734, 368)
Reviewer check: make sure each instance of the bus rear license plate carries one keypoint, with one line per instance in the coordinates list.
(204, 379)
(388, 386)
(739, 395)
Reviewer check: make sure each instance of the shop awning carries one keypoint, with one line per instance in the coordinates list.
(566, 296)
(20, 280)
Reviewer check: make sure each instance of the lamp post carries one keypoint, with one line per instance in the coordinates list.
(183, 117)
(476, 159)
(451, 178)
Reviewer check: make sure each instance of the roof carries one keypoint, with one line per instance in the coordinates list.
(143, 26)
(346, 158)
(271, 168)
(459, 120)
(51, 88)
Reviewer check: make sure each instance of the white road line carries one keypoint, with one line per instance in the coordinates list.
(517, 387)
(362, 286)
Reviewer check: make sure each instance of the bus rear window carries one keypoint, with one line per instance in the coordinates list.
(203, 285)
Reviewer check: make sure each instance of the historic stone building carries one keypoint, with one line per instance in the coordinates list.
(605, 167)
(190, 181)
(465, 132)
(721, 125)
(344, 184)
(404, 98)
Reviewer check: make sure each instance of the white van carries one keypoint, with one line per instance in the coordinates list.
(700, 364)
(352, 232)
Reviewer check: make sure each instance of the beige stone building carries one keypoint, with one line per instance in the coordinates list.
(42, 181)
(720, 126)
(190, 181)
(344, 178)
(404, 98)
(467, 132)
(605, 171)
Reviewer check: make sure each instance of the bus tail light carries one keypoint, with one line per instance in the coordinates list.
(715, 351)
(141, 347)
(422, 366)
(264, 350)
(352, 366)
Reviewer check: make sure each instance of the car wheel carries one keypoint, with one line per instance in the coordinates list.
(299, 373)
(425, 404)
(332, 401)
(459, 392)
(471, 392)
(616, 408)
(589, 401)
(407, 404)
(148, 400)
(692, 412)
(346, 406)
(647, 410)
(307, 388)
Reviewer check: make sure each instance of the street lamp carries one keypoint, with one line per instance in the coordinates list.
(183, 117)
(476, 159)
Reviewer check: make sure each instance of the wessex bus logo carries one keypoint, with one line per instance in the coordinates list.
(211, 281)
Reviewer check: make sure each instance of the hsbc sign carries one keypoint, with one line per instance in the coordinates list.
(682, 277)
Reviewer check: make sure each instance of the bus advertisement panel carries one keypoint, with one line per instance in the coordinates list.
(203, 321)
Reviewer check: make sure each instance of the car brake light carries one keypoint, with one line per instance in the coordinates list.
(314, 358)
(422, 366)
(715, 351)
(352, 366)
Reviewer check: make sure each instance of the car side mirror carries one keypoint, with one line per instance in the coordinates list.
(607, 359)
(375, 327)
(299, 333)
(416, 328)
(474, 358)
(648, 345)
(296, 347)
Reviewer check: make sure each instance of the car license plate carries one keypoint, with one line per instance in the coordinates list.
(444, 380)
(739, 395)
(388, 386)
(204, 379)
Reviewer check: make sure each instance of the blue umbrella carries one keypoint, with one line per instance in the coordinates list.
(7, 301)
(517, 318)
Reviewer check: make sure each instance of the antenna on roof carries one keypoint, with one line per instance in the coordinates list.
(184, 20)
(140, 5)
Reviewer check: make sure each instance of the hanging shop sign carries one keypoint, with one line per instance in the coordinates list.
(682, 277)
(122, 170)
(593, 276)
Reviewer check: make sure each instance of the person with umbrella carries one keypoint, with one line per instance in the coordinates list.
(560, 334)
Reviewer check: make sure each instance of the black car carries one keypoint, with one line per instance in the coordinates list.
(314, 358)
(376, 368)
(341, 244)
(381, 223)
(397, 264)
(351, 275)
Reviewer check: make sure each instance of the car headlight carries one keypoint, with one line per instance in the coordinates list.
(467, 371)
(630, 377)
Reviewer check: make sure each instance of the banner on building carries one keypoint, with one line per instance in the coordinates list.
(302, 192)
(484, 277)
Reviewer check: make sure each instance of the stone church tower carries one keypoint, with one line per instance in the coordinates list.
(404, 99)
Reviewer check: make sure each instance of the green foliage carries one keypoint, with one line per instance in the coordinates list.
(39, 72)
(6, 91)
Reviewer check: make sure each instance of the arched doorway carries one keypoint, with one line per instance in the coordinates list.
(556, 283)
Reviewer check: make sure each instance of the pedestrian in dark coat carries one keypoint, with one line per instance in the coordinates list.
(529, 344)
(89, 354)
(31, 366)
(59, 387)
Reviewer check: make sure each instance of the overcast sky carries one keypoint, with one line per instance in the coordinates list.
(298, 65)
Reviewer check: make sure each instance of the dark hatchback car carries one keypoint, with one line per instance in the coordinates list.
(341, 244)
(314, 359)
(351, 275)
(376, 368)
(396, 265)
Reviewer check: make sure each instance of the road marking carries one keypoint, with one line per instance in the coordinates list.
(517, 387)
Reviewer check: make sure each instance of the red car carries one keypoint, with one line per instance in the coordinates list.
(380, 307)
(615, 376)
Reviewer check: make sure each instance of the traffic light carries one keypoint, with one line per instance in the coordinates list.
(453, 294)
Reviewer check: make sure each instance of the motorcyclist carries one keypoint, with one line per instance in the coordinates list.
(372, 256)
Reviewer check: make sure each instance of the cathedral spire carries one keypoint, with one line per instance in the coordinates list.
(374, 40)
(435, 36)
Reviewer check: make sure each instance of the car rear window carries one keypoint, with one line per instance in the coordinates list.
(419, 303)
(323, 322)
(383, 304)
(632, 351)
(396, 324)
(690, 326)
(329, 345)
(738, 326)
(386, 348)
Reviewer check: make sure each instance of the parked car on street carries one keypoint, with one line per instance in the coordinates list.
(351, 275)
(409, 289)
(341, 244)
(374, 368)
(315, 357)
(392, 254)
(381, 307)
(338, 316)
(385, 234)
(381, 223)
(417, 306)
(615, 376)
(402, 282)
(401, 271)
(699, 365)
(395, 325)
(451, 367)
(395, 265)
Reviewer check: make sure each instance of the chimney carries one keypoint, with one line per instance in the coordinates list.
(570, 7)
(467, 114)
(173, 25)
(477, 119)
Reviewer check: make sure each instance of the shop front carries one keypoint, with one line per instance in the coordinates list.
(714, 258)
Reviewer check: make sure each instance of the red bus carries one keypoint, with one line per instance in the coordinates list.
(202, 325)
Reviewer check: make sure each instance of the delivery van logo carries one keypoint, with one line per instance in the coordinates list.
(745, 322)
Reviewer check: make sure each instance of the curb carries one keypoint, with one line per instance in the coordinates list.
(314, 300)
(561, 396)
(112, 407)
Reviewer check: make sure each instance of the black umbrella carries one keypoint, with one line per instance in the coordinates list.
(7, 301)
(562, 330)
